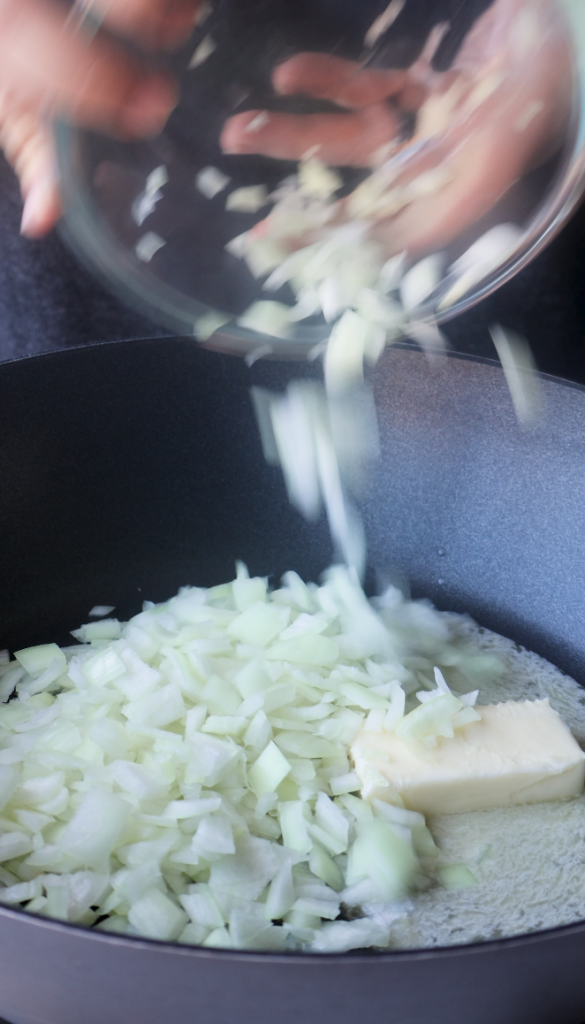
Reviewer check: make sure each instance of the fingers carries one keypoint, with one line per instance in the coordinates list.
(399, 41)
(343, 140)
(331, 78)
(46, 65)
(42, 206)
(26, 143)
(464, 15)
(485, 155)
(482, 173)
(157, 23)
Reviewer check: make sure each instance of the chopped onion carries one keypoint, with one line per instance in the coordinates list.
(100, 610)
(148, 245)
(456, 876)
(420, 281)
(249, 199)
(520, 372)
(316, 180)
(208, 324)
(265, 317)
(210, 181)
(185, 776)
(35, 660)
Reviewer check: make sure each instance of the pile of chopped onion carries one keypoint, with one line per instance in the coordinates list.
(185, 776)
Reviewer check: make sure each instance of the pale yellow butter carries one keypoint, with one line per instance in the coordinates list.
(519, 753)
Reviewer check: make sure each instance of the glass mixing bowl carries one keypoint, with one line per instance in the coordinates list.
(134, 213)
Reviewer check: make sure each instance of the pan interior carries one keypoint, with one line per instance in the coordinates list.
(134, 468)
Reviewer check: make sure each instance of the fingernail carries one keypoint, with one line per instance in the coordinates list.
(147, 109)
(258, 122)
(37, 215)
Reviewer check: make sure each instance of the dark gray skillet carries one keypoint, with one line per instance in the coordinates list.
(129, 469)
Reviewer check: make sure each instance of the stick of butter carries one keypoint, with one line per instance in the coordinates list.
(519, 753)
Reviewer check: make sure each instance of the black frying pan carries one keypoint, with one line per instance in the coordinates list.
(129, 469)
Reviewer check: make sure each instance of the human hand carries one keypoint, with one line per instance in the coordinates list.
(48, 66)
(500, 109)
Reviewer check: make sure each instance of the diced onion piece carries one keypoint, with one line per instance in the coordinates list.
(157, 709)
(420, 281)
(316, 180)
(210, 181)
(148, 245)
(22, 892)
(247, 874)
(348, 783)
(95, 828)
(266, 317)
(237, 246)
(262, 255)
(224, 725)
(392, 272)
(310, 649)
(428, 335)
(341, 936)
(333, 298)
(14, 844)
(380, 855)
(423, 843)
(268, 771)
(202, 907)
(399, 815)
(344, 358)
(105, 629)
(456, 876)
(214, 836)
(248, 199)
(209, 323)
(36, 660)
(258, 624)
(100, 610)
(156, 179)
(281, 894)
(219, 939)
(319, 908)
(292, 421)
(465, 717)
(323, 866)
(294, 826)
(157, 917)
(430, 720)
(520, 372)
(248, 592)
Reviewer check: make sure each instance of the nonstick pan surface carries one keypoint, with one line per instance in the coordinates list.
(130, 469)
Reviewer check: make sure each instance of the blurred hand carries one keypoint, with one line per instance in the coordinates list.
(500, 109)
(49, 66)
